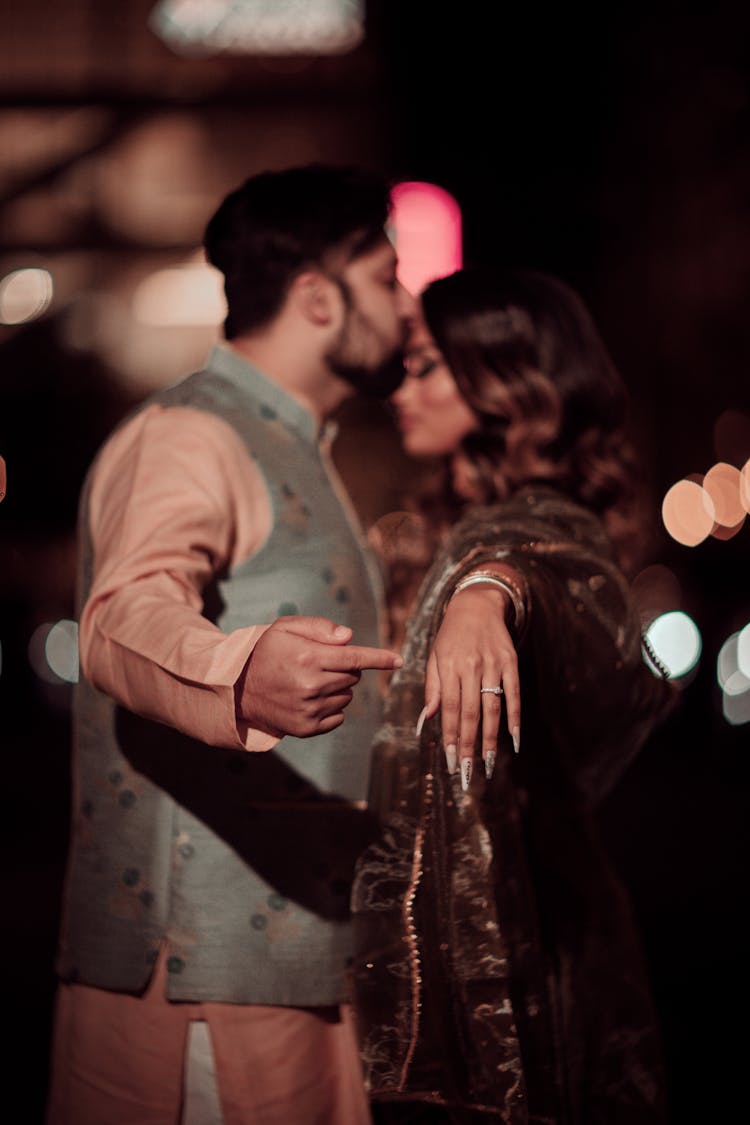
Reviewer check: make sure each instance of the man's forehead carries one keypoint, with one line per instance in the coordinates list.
(380, 255)
(377, 256)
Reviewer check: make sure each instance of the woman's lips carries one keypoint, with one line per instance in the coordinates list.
(406, 421)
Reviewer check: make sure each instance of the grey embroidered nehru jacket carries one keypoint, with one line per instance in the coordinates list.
(241, 862)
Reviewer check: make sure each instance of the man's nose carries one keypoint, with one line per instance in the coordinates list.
(407, 303)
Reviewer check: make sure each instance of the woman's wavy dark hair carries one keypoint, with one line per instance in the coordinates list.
(527, 357)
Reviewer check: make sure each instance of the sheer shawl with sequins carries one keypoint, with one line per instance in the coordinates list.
(498, 972)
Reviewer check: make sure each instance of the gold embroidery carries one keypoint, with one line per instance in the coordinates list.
(411, 930)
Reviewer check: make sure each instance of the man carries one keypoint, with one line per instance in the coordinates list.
(205, 936)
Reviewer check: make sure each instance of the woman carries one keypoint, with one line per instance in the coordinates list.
(498, 974)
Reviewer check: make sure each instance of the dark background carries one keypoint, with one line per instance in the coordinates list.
(611, 148)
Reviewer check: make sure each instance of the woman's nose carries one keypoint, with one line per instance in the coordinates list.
(401, 394)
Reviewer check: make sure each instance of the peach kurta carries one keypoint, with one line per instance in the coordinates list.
(159, 530)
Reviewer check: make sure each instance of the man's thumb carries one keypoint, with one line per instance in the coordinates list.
(319, 629)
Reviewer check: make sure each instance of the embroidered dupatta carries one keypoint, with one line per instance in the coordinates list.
(498, 970)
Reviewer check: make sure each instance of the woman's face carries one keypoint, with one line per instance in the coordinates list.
(432, 415)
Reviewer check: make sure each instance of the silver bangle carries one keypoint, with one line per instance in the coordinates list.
(486, 578)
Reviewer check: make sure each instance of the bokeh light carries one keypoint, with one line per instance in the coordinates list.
(53, 652)
(736, 708)
(722, 484)
(743, 651)
(718, 531)
(737, 684)
(181, 296)
(426, 223)
(25, 294)
(727, 664)
(676, 641)
(745, 486)
(688, 513)
(733, 675)
(259, 27)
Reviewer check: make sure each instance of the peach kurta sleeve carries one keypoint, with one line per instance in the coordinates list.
(174, 500)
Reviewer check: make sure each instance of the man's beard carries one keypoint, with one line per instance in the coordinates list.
(372, 382)
(379, 381)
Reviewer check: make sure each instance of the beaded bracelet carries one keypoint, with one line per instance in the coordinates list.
(487, 578)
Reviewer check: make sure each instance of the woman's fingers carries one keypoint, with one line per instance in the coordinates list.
(473, 658)
(471, 711)
(492, 707)
(463, 705)
(450, 713)
(460, 708)
(512, 689)
(431, 693)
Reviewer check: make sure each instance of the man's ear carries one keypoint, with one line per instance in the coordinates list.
(316, 297)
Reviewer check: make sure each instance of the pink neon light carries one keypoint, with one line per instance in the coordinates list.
(426, 220)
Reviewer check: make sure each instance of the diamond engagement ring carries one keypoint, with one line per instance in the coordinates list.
(492, 690)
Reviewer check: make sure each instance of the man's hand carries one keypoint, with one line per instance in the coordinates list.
(300, 676)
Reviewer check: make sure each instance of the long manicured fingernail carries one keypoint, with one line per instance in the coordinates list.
(515, 734)
(489, 763)
(466, 768)
(420, 721)
(450, 758)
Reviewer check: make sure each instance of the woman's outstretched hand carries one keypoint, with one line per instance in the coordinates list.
(473, 650)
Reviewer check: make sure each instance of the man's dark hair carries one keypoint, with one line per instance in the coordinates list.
(278, 224)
